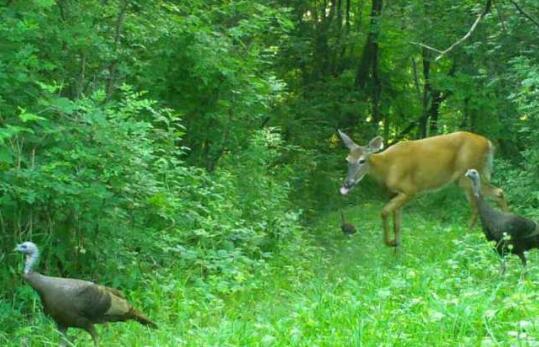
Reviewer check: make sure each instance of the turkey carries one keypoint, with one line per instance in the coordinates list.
(512, 234)
(76, 303)
(347, 228)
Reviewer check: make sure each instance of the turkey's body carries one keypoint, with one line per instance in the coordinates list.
(522, 234)
(76, 303)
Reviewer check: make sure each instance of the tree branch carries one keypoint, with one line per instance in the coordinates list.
(522, 12)
(426, 46)
(462, 39)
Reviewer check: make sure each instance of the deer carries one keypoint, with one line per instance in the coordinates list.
(409, 168)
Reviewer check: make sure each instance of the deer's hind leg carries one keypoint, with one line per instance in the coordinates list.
(490, 191)
(495, 193)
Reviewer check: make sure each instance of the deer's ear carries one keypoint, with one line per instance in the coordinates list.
(376, 144)
(348, 142)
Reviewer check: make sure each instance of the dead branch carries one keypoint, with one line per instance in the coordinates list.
(469, 33)
(426, 46)
(486, 10)
(522, 12)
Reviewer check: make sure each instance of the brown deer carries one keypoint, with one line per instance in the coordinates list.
(412, 167)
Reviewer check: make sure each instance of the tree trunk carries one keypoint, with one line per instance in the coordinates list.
(322, 50)
(432, 100)
(427, 96)
(368, 72)
(434, 111)
(465, 114)
(370, 50)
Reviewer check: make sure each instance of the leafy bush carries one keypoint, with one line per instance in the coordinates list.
(240, 214)
(102, 187)
(520, 183)
(520, 180)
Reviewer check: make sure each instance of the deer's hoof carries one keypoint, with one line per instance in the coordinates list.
(392, 243)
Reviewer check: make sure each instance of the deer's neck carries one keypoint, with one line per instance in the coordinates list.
(377, 169)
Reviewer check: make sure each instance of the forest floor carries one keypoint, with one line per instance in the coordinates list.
(443, 288)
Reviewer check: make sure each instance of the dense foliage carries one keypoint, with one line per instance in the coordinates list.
(113, 121)
(191, 144)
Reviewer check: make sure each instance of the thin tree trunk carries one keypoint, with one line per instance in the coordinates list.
(465, 113)
(345, 35)
(427, 95)
(434, 111)
(338, 49)
(370, 50)
(377, 88)
(368, 72)
(432, 99)
(117, 34)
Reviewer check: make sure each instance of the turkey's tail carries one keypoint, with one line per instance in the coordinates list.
(142, 319)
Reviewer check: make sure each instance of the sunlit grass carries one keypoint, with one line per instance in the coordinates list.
(442, 289)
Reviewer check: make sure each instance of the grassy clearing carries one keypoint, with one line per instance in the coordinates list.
(443, 289)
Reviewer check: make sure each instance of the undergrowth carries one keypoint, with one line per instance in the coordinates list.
(443, 288)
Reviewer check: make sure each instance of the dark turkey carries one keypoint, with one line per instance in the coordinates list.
(347, 228)
(76, 303)
(512, 234)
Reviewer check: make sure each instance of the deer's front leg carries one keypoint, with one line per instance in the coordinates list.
(397, 226)
(393, 207)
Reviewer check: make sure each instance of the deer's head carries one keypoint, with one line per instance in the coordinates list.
(358, 160)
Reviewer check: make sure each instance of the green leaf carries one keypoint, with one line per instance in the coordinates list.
(44, 3)
(29, 117)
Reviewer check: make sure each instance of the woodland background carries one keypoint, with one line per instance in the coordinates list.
(192, 144)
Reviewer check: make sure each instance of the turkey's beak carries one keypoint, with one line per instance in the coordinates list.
(16, 249)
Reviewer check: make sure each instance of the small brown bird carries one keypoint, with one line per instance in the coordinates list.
(347, 228)
(76, 303)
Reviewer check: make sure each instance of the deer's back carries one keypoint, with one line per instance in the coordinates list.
(431, 163)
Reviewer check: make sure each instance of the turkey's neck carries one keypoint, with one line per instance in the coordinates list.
(31, 260)
(476, 187)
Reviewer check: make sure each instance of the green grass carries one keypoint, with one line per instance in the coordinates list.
(442, 289)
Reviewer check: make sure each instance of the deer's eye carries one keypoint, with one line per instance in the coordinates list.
(361, 161)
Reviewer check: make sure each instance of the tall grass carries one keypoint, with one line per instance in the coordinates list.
(442, 289)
